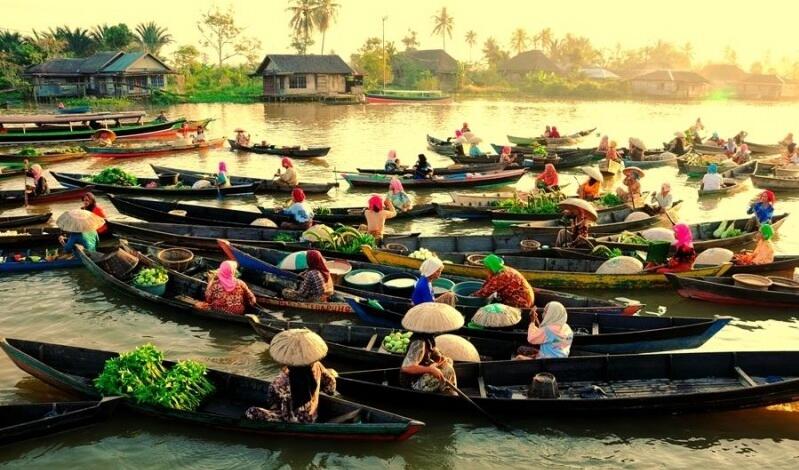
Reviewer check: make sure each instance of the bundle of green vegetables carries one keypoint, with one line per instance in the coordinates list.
(28, 152)
(727, 231)
(115, 176)
(344, 239)
(604, 251)
(285, 237)
(541, 203)
(629, 238)
(539, 150)
(609, 200)
(141, 375)
(322, 210)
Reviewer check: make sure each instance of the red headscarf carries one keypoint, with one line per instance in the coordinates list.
(375, 203)
(298, 195)
(549, 176)
(286, 162)
(770, 197)
(317, 261)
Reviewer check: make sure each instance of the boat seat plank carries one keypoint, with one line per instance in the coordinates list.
(594, 328)
(744, 377)
(481, 385)
(371, 342)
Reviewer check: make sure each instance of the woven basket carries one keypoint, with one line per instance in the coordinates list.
(119, 263)
(176, 258)
(475, 259)
(529, 245)
(396, 248)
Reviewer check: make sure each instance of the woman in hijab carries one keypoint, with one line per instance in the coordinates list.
(548, 132)
(730, 148)
(742, 155)
(423, 292)
(422, 170)
(763, 208)
(554, 134)
(317, 283)
(289, 178)
(90, 204)
(763, 252)
(684, 252)
(300, 210)
(40, 187)
(505, 157)
(377, 212)
(663, 198)
(398, 197)
(553, 336)
(510, 286)
(603, 145)
(547, 181)
(392, 162)
(425, 368)
(226, 293)
(222, 179)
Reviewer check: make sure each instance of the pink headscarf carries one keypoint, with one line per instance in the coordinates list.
(395, 185)
(683, 236)
(222, 167)
(744, 148)
(226, 275)
(392, 155)
(506, 150)
(458, 133)
(375, 203)
(286, 162)
(36, 171)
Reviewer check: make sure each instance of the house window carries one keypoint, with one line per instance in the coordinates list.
(157, 81)
(297, 81)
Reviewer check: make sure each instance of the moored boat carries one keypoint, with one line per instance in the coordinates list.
(570, 139)
(407, 96)
(728, 186)
(724, 290)
(130, 150)
(347, 215)
(24, 220)
(44, 157)
(264, 185)
(175, 212)
(17, 198)
(448, 170)
(283, 151)
(35, 260)
(441, 147)
(149, 186)
(765, 149)
(456, 180)
(764, 178)
(24, 238)
(613, 221)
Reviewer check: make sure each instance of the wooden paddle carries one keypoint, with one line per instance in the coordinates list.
(25, 183)
(477, 407)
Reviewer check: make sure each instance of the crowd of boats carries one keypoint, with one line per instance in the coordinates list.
(554, 243)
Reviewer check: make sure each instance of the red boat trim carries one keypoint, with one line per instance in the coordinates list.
(697, 294)
(376, 100)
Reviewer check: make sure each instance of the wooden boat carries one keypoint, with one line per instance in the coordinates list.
(613, 221)
(700, 170)
(407, 96)
(548, 272)
(49, 128)
(264, 185)
(124, 150)
(24, 220)
(24, 238)
(563, 152)
(560, 163)
(28, 264)
(451, 181)
(348, 215)
(45, 158)
(11, 172)
(703, 235)
(783, 265)
(151, 210)
(764, 178)
(765, 149)
(482, 212)
(488, 199)
(17, 197)
(570, 139)
(283, 151)
(709, 149)
(441, 147)
(602, 385)
(650, 163)
(723, 290)
(729, 186)
(614, 334)
(448, 170)
(37, 420)
(83, 180)
(74, 110)
(193, 124)
(72, 369)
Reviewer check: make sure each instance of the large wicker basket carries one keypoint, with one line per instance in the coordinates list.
(119, 263)
(178, 259)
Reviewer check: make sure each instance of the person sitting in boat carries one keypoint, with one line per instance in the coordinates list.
(763, 208)
(637, 149)
(632, 180)
(376, 214)
(293, 396)
(677, 146)
(547, 180)
(430, 270)
(300, 210)
(730, 148)
(316, 284)
(743, 154)
(60, 105)
(507, 283)
(425, 368)
(612, 155)
(89, 203)
(548, 132)
(222, 179)
(663, 198)
(422, 170)
(161, 117)
(578, 215)
(200, 136)
(465, 128)
(398, 197)
(712, 180)
(474, 151)
(392, 162)
(740, 138)
(684, 252)
(226, 293)
(791, 155)
(553, 336)
(604, 144)
(554, 134)
(505, 156)
(80, 227)
(40, 187)
(788, 140)
(590, 189)
(716, 139)
(289, 178)
(763, 252)
(242, 138)
(698, 126)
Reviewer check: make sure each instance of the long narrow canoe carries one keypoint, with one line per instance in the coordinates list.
(450, 181)
(765, 149)
(650, 162)
(24, 238)
(728, 186)
(64, 134)
(151, 210)
(448, 170)
(481, 211)
(124, 150)
(293, 152)
(724, 291)
(264, 185)
(45, 158)
(570, 139)
(27, 265)
(83, 180)
(560, 163)
(764, 178)
(552, 273)
(783, 265)
(348, 215)
(17, 198)
(24, 220)
(439, 146)
(709, 149)
(563, 152)
(6, 173)
(72, 369)
(603, 385)
(37, 420)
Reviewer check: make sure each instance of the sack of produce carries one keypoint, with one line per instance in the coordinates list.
(658, 234)
(318, 233)
(714, 257)
(263, 222)
(201, 184)
(636, 216)
(621, 265)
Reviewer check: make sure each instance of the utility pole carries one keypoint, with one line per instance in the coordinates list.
(384, 52)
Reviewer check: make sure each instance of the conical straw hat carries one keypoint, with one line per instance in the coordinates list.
(297, 347)
(593, 173)
(497, 316)
(79, 220)
(633, 169)
(579, 204)
(432, 317)
(457, 348)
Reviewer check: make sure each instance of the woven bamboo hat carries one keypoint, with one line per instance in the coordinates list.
(79, 220)
(433, 318)
(633, 169)
(582, 205)
(593, 173)
(297, 347)
(497, 316)
(457, 348)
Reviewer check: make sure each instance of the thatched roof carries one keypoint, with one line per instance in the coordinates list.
(287, 64)
(435, 60)
(529, 61)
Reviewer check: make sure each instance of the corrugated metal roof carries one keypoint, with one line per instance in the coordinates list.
(278, 64)
(101, 62)
(671, 76)
(123, 62)
(95, 63)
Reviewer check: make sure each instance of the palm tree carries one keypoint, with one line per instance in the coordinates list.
(519, 40)
(471, 40)
(410, 41)
(325, 12)
(303, 19)
(152, 37)
(78, 42)
(443, 25)
(544, 38)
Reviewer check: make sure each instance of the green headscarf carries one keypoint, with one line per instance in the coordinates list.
(767, 231)
(494, 263)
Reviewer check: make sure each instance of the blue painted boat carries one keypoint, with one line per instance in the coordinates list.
(74, 110)
(11, 267)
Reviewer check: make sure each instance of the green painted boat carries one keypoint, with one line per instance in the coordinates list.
(407, 96)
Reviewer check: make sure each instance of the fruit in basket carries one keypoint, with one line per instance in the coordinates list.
(397, 342)
(148, 277)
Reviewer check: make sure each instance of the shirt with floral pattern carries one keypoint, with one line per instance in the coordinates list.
(234, 302)
(283, 409)
(511, 287)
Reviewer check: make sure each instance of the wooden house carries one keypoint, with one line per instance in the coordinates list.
(436, 61)
(761, 87)
(670, 84)
(287, 76)
(534, 61)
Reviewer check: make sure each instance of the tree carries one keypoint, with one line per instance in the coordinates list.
(186, 57)
(519, 40)
(303, 23)
(369, 60)
(471, 40)
(575, 52)
(544, 38)
(325, 12)
(443, 25)
(151, 37)
(410, 41)
(77, 42)
(730, 56)
(220, 33)
(493, 53)
(756, 68)
(112, 38)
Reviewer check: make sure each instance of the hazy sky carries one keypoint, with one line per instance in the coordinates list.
(710, 25)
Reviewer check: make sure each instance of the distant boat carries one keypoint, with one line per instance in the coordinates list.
(407, 96)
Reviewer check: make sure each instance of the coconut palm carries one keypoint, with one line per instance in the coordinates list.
(325, 14)
(410, 41)
(443, 25)
(77, 42)
(519, 40)
(151, 37)
(544, 38)
(471, 40)
(303, 19)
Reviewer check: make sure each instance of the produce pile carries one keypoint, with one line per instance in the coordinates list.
(149, 277)
(539, 150)
(141, 375)
(28, 152)
(422, 254)
(322, 210)
(602, 250)
(115, 176)
(727, 231)
(608, 200)
(397, 342)
(694, 159)
(344, 239)
(541, 203)
(285, 237)
(630, 238)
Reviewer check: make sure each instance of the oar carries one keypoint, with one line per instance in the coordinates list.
(25, 183)
(477, 407)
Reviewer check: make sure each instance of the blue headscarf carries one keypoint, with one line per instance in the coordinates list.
(712, 168)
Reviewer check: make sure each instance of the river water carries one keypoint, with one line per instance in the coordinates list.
(71, 308)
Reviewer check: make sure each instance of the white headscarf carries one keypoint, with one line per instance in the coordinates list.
(431, 266)
(554, 314)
